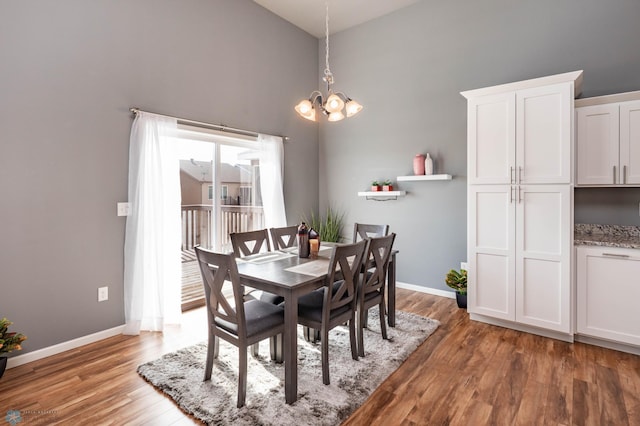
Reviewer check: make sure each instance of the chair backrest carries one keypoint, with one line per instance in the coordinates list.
(376, 264)
(215, 268)
(362, 231)
(342, 277)
(239, 242)
(284, 237)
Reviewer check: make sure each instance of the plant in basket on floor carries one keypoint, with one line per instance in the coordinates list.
(458, 281)
(9, 341)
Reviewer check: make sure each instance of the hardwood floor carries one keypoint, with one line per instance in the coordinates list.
(466, 373)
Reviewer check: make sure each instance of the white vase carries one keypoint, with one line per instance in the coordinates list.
(428, 165)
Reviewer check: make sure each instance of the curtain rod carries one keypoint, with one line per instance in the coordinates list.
(220, 127)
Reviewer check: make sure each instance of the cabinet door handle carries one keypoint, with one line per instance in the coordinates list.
(519, 195)
(511, 194)
(614, 174)
(624, 256)
(624, 174)
(520, 174)
(511, 175)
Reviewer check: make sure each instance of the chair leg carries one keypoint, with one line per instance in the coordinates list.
(360, 329)
(212, 352)
(352, 337)
(275, 344)
(383, 323)
(311, 334)
(365, 322)
(242, 375)
(255, 349)
(325, 354)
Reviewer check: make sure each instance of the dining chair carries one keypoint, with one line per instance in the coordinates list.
(362, 231)
(372, 285)
(284, 237)
(240, 241)
(335, 303)
(239, 322)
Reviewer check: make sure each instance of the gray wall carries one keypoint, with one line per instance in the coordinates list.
(69, 72)
(408, 68)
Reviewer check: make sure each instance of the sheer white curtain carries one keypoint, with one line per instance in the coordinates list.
(271, 166)
(152, 239)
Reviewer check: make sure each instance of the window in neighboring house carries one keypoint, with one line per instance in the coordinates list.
(211, 192)
(245, 195)
(224, 193)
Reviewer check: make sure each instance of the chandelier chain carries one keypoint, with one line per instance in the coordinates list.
(328, 76)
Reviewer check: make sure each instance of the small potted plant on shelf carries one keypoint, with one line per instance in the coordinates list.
(9, 341)
(387, 185)
(458, 281)
(375, 186)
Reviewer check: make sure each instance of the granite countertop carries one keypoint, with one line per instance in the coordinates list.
(607, 235)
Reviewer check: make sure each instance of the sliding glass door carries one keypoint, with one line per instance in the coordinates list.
(220, 186)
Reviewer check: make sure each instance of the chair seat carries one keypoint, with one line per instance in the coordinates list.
(310, 305)
(371, 296)
(261, 316)
(271, 298)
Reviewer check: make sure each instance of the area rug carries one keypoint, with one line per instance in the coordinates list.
(179, 375)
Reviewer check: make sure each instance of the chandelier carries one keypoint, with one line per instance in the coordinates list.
(336, 104)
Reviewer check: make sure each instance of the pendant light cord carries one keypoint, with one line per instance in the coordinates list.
(328, 76)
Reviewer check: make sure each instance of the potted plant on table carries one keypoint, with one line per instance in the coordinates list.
(9, 341)
(457, 280)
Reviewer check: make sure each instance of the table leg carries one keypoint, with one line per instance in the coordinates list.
(290, 348)
(391, 291)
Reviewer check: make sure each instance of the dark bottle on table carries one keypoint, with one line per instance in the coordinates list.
(303, 240)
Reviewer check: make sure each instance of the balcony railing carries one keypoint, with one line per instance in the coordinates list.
(196, 220)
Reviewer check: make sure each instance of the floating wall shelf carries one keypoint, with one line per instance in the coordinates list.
(382, 195)
(423, 177)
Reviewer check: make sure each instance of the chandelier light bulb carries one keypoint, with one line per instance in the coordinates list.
(335, 116)
(304, 107)
(334, 103)
(353, 108)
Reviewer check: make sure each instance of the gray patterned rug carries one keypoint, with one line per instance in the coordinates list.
(179, 375)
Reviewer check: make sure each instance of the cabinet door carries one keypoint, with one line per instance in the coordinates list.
(607, 293)
(598, 145)
(490, 251)
(630, 142)
(544, 132)
(544, 235)
(491, 139)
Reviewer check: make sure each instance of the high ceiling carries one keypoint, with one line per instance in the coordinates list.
(343, 14)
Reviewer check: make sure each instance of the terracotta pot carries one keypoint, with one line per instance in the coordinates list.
(387, 187)
(376, 188)
(418, 164)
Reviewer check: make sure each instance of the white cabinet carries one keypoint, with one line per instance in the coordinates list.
(607, 293)
(520, 200)
(521, 136)
(519, 242)
(608, 142)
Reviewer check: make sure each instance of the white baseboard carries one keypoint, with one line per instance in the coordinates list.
(428, 290)
(62, 347)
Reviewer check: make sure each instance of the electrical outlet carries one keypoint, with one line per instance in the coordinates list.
(103, 294)
(464, 265)
(124, 209)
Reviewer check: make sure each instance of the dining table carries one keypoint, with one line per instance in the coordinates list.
(286, 274)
